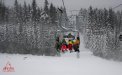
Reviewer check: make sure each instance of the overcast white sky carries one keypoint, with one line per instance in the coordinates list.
(75, 4)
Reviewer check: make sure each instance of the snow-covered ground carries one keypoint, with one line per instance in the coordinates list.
(67, 64)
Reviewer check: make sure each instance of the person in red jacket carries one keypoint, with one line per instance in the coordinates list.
(70, 44)
(64, 46)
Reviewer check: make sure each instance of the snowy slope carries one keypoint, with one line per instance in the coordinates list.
(67, 64)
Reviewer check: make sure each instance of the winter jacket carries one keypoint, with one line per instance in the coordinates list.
(77, 42)
(70, 44)
(57, 45)
(63, 47)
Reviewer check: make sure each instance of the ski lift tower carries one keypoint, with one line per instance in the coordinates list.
(65, 29)
(64, 24)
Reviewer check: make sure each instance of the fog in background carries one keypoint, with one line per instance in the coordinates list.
(74, 4)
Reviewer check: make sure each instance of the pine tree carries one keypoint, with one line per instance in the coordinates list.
(38, 15)
(25, 13)
(16, 11)
(105, 17)
(46, 9)
(111, 19)
(34, 10)
(2, 12)
(53, 14)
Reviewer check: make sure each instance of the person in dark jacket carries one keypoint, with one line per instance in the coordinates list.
(76, 45)
(57, 45)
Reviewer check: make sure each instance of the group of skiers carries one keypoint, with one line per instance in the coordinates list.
(71, 45)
